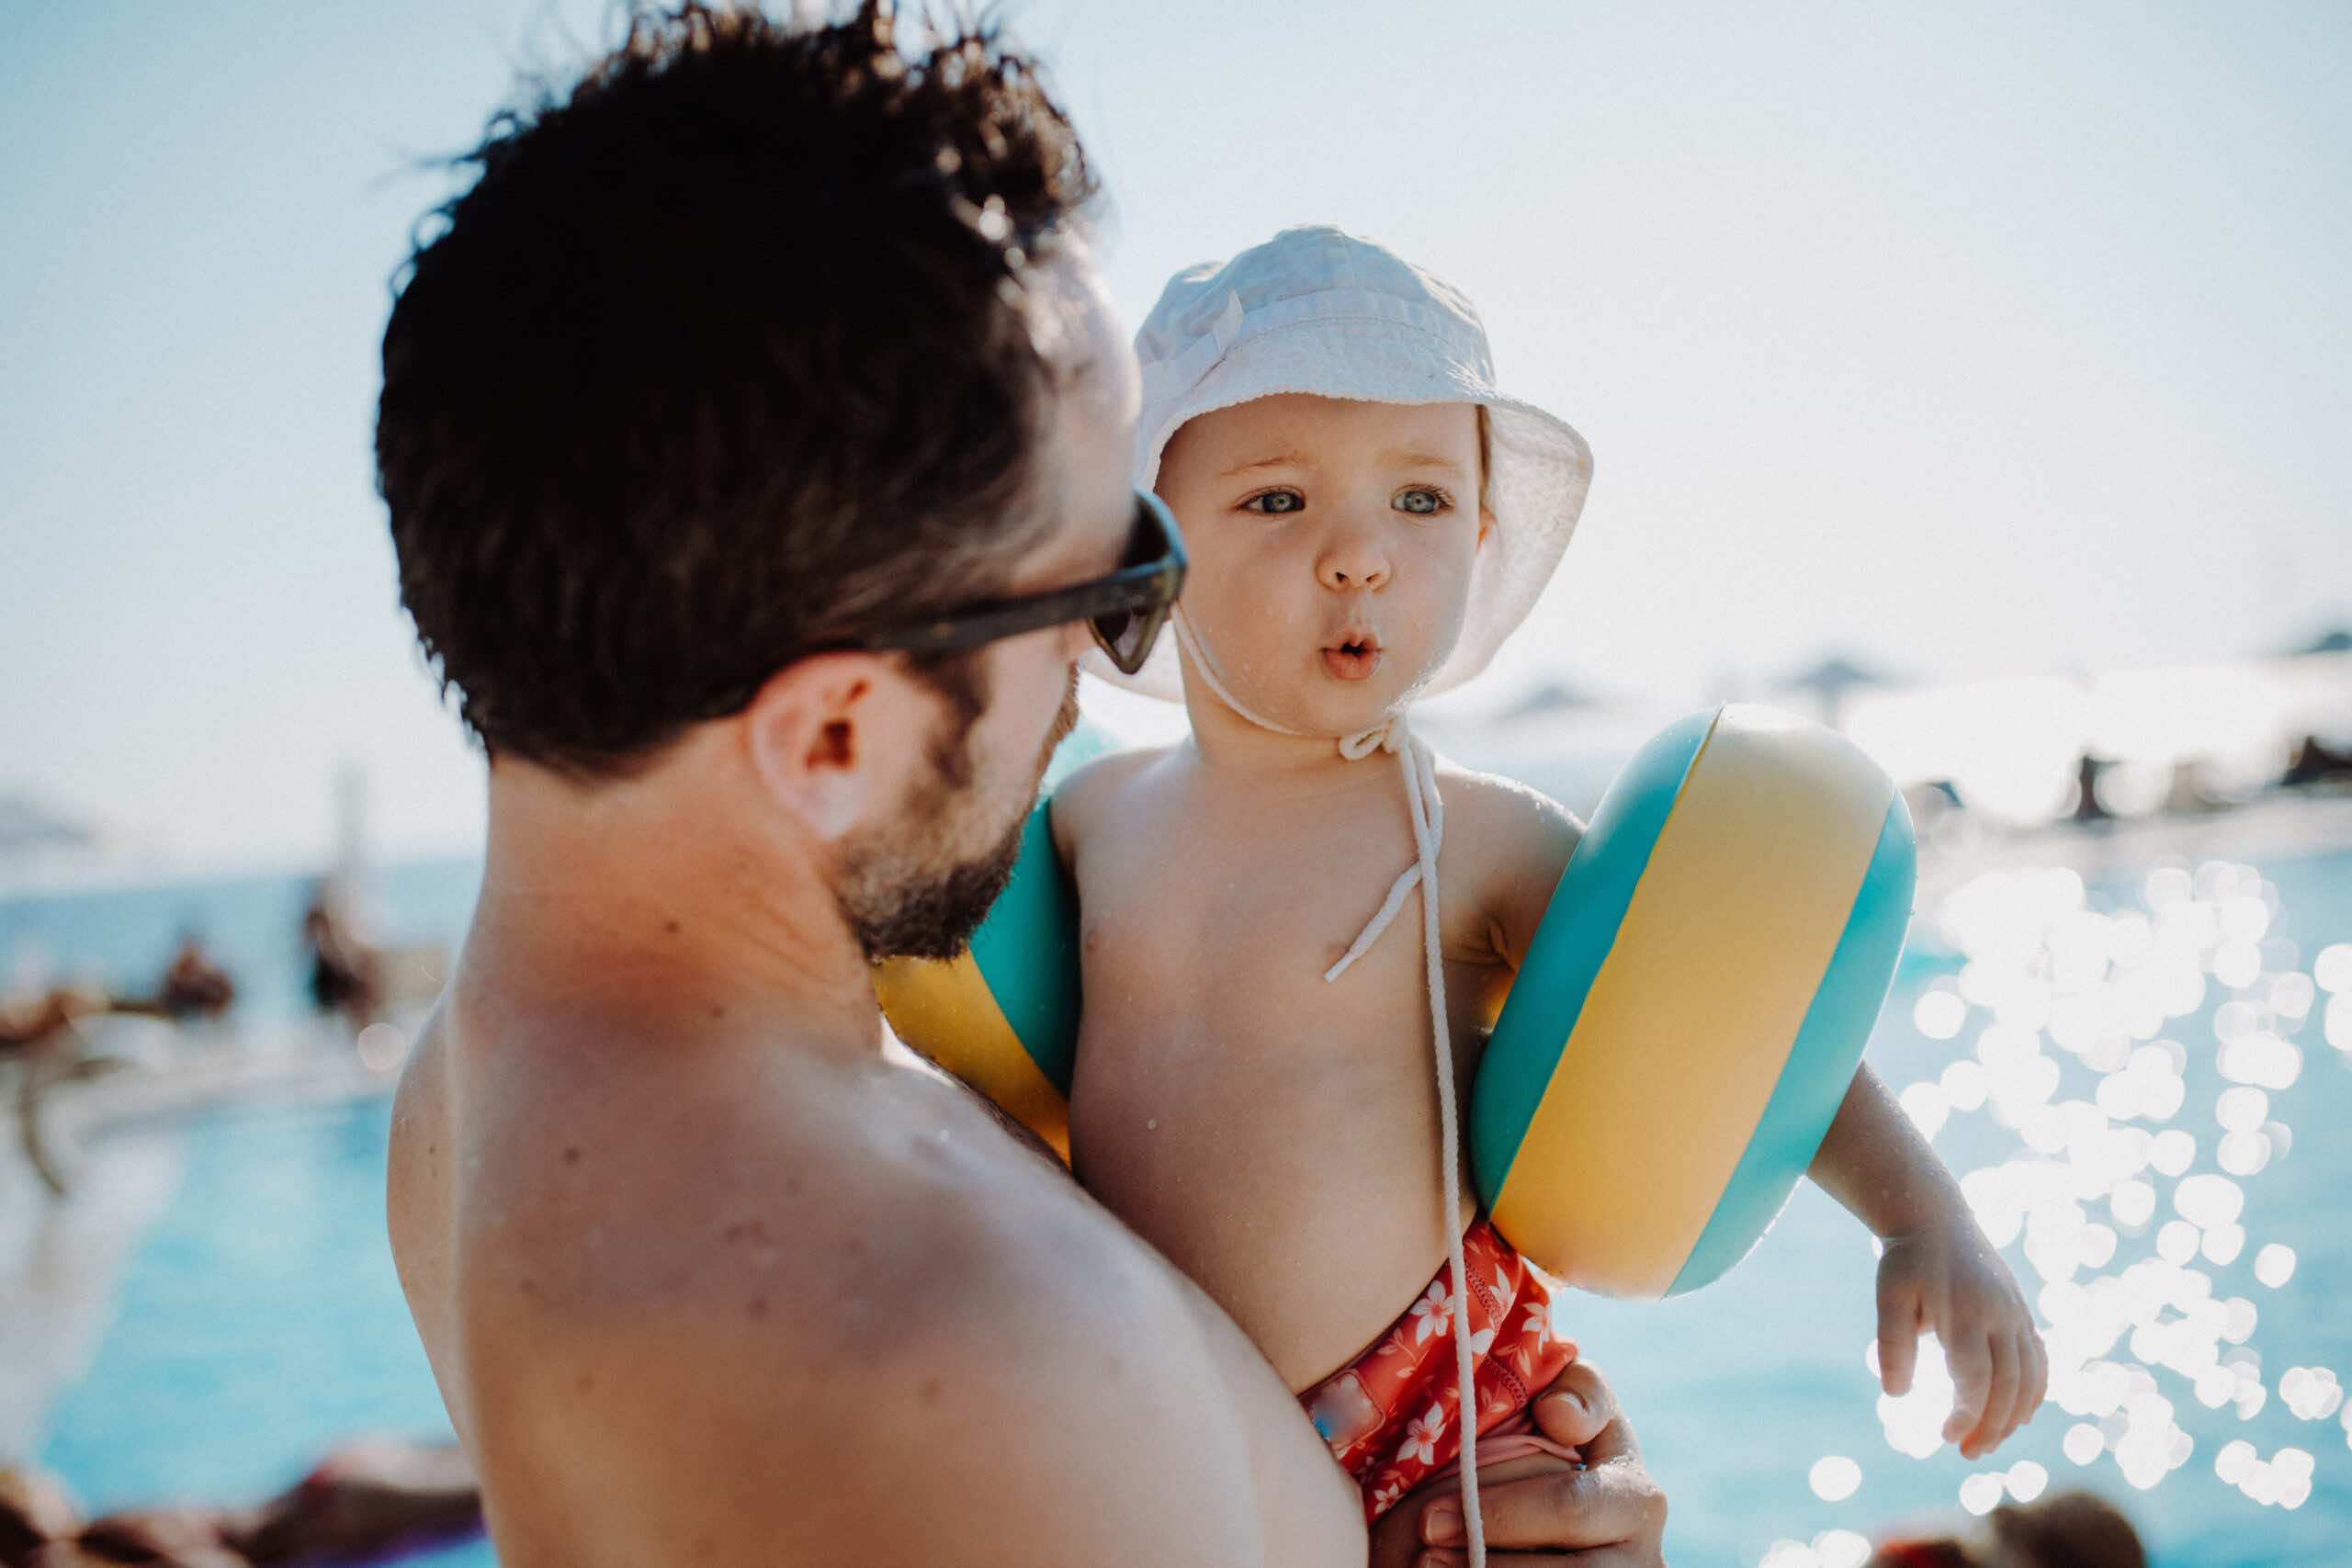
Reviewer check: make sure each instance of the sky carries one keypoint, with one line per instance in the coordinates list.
(1996, 340)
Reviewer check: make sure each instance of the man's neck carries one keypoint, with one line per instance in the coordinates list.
(654, 905)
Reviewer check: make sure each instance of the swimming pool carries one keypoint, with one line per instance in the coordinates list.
(260, 1321)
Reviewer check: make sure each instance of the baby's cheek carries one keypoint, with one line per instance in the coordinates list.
(1445, 623)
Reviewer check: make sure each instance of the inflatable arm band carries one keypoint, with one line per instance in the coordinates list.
(1693, 1007)
(1002, 1015)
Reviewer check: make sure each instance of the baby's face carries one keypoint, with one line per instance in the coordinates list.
(1331, 545)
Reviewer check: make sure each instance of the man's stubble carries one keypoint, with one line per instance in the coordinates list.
(907, 890)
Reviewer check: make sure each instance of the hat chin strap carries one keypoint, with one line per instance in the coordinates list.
(1427, 810)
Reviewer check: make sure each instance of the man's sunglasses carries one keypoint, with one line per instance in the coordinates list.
(1124, 609)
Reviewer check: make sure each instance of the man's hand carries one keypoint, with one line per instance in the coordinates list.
(1608, 1515)
(1946, 1277)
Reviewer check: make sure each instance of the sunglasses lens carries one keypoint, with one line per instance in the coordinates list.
(1126, 636)
(1113, 630)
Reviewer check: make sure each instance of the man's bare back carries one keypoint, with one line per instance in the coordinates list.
(664, 1283)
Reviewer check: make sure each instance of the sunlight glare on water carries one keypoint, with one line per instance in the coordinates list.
(1835, 1478)
(1939, 1014)
(2105, 1193)
(1830, 1548)
(2312, 1393)
(1841, 1549)
(1980, 1492)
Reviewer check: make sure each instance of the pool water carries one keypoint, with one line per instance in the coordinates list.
(260, 1322)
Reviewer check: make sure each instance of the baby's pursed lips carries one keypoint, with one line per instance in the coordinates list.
(1352, 655)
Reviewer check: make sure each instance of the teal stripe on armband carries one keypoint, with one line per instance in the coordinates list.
(1027, 951)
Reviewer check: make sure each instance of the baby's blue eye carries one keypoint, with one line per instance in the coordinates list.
(1421, 501)
(1276, 503)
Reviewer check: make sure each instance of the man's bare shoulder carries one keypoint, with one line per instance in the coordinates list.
(712, 1171)
(416, 1206)
(873, 1291)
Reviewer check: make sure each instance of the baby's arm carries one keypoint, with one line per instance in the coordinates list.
(1936, 1272)
(1089, 795)
(1513, 843)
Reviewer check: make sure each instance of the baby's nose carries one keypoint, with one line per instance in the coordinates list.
(1354, 559)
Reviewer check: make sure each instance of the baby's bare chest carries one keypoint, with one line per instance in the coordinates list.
(1206, 944)
(1272, 1132)
(1186, 907)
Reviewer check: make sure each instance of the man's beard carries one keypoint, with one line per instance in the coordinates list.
(910, 898)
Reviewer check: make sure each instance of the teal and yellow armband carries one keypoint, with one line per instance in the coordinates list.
(1693, 1007)
(1002, 1015)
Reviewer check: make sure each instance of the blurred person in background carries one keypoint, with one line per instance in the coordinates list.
(361, 1500)
(194, 985)
(2066, 1529)
(29, 1018)
(346, 967)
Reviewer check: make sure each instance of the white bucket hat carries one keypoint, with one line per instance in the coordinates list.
(1322, 311)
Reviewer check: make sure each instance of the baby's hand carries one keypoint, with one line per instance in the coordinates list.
(1947, 1278)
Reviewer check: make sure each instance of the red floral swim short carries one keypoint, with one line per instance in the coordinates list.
(1392, 1417)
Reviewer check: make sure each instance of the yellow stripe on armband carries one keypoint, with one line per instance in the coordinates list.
(945, 1012)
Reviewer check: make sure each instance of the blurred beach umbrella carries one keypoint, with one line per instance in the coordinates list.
(1830, 680)
(26, 824)
(2338, 640)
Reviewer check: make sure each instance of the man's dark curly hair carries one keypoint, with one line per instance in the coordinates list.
(724, 355)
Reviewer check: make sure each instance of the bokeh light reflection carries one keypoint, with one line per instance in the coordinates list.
(1842, 1549)
(2129, 1212)
(1938, 1014)
(2274, 1264)
(1835, 1477)
(2312, 1393)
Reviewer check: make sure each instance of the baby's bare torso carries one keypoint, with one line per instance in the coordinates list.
(1275, 1135)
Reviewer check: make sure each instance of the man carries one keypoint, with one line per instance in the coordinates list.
(755, 434)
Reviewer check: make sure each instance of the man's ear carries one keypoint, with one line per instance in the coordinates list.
(831, 738)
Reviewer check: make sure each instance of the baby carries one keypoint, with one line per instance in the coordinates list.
(1254, 1093)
